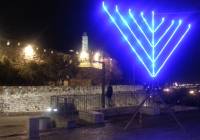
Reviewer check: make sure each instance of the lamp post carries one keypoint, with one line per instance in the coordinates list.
(103, 85)
(103, 79)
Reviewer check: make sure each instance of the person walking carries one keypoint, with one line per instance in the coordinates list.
(109, 94)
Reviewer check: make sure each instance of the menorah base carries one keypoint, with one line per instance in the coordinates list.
(169, 110)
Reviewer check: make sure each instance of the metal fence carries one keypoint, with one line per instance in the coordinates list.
(93, 101)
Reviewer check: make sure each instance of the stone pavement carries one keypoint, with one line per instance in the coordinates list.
(160, 127)
(13, 127)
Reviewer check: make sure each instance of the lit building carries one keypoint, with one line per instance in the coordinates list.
(84, 54)
(91, 65)
(87, 58)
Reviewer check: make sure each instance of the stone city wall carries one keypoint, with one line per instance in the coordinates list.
(37, 98)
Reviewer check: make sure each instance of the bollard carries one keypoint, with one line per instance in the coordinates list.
(34, 128)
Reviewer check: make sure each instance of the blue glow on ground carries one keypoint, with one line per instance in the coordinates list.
(152, 66)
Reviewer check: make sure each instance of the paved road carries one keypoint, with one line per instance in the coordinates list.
(11, 128)
(153, 128)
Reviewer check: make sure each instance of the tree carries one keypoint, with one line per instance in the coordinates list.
(61, 67)
(55, 68)
(8, 74)
(33, 74)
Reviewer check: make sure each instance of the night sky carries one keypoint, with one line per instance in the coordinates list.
(59, 24)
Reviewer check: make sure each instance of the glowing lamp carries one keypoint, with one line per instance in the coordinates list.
(84, 56)
(97, 56)
(192, 92)
(29, 52)
(166, 90)
(8, 43)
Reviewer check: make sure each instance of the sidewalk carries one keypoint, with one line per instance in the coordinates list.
(152, 128)
(160, 127)
(13, 127)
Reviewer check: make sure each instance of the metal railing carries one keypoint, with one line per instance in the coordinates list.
(93, 101)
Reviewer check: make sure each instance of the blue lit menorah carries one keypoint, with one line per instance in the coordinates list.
(152, 43)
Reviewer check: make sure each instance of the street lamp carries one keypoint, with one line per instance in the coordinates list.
(192, 93)
(8, 43)
(97, 57)
(166, 90)
(18, 44)
(84, 56)
(29, 52)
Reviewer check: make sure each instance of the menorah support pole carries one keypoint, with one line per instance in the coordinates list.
(103, 86)
(170, 111)
(136, 112)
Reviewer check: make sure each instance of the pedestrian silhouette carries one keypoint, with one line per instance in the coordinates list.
(109, 94)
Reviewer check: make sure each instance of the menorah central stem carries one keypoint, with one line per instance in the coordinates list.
(153, 44)
(149, 58)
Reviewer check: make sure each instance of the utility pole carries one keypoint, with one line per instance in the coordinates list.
(103, 85)
(103, 82)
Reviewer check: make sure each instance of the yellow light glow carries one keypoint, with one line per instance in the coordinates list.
(29, 52)
(8, 43)
(84, 56)
(18, 44)
(97, 56)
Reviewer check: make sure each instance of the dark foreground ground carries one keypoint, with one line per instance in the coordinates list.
(161, 127)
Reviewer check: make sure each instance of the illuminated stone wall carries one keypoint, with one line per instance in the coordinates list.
(37, 99)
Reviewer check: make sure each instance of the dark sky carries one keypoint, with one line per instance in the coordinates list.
(59, 24)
